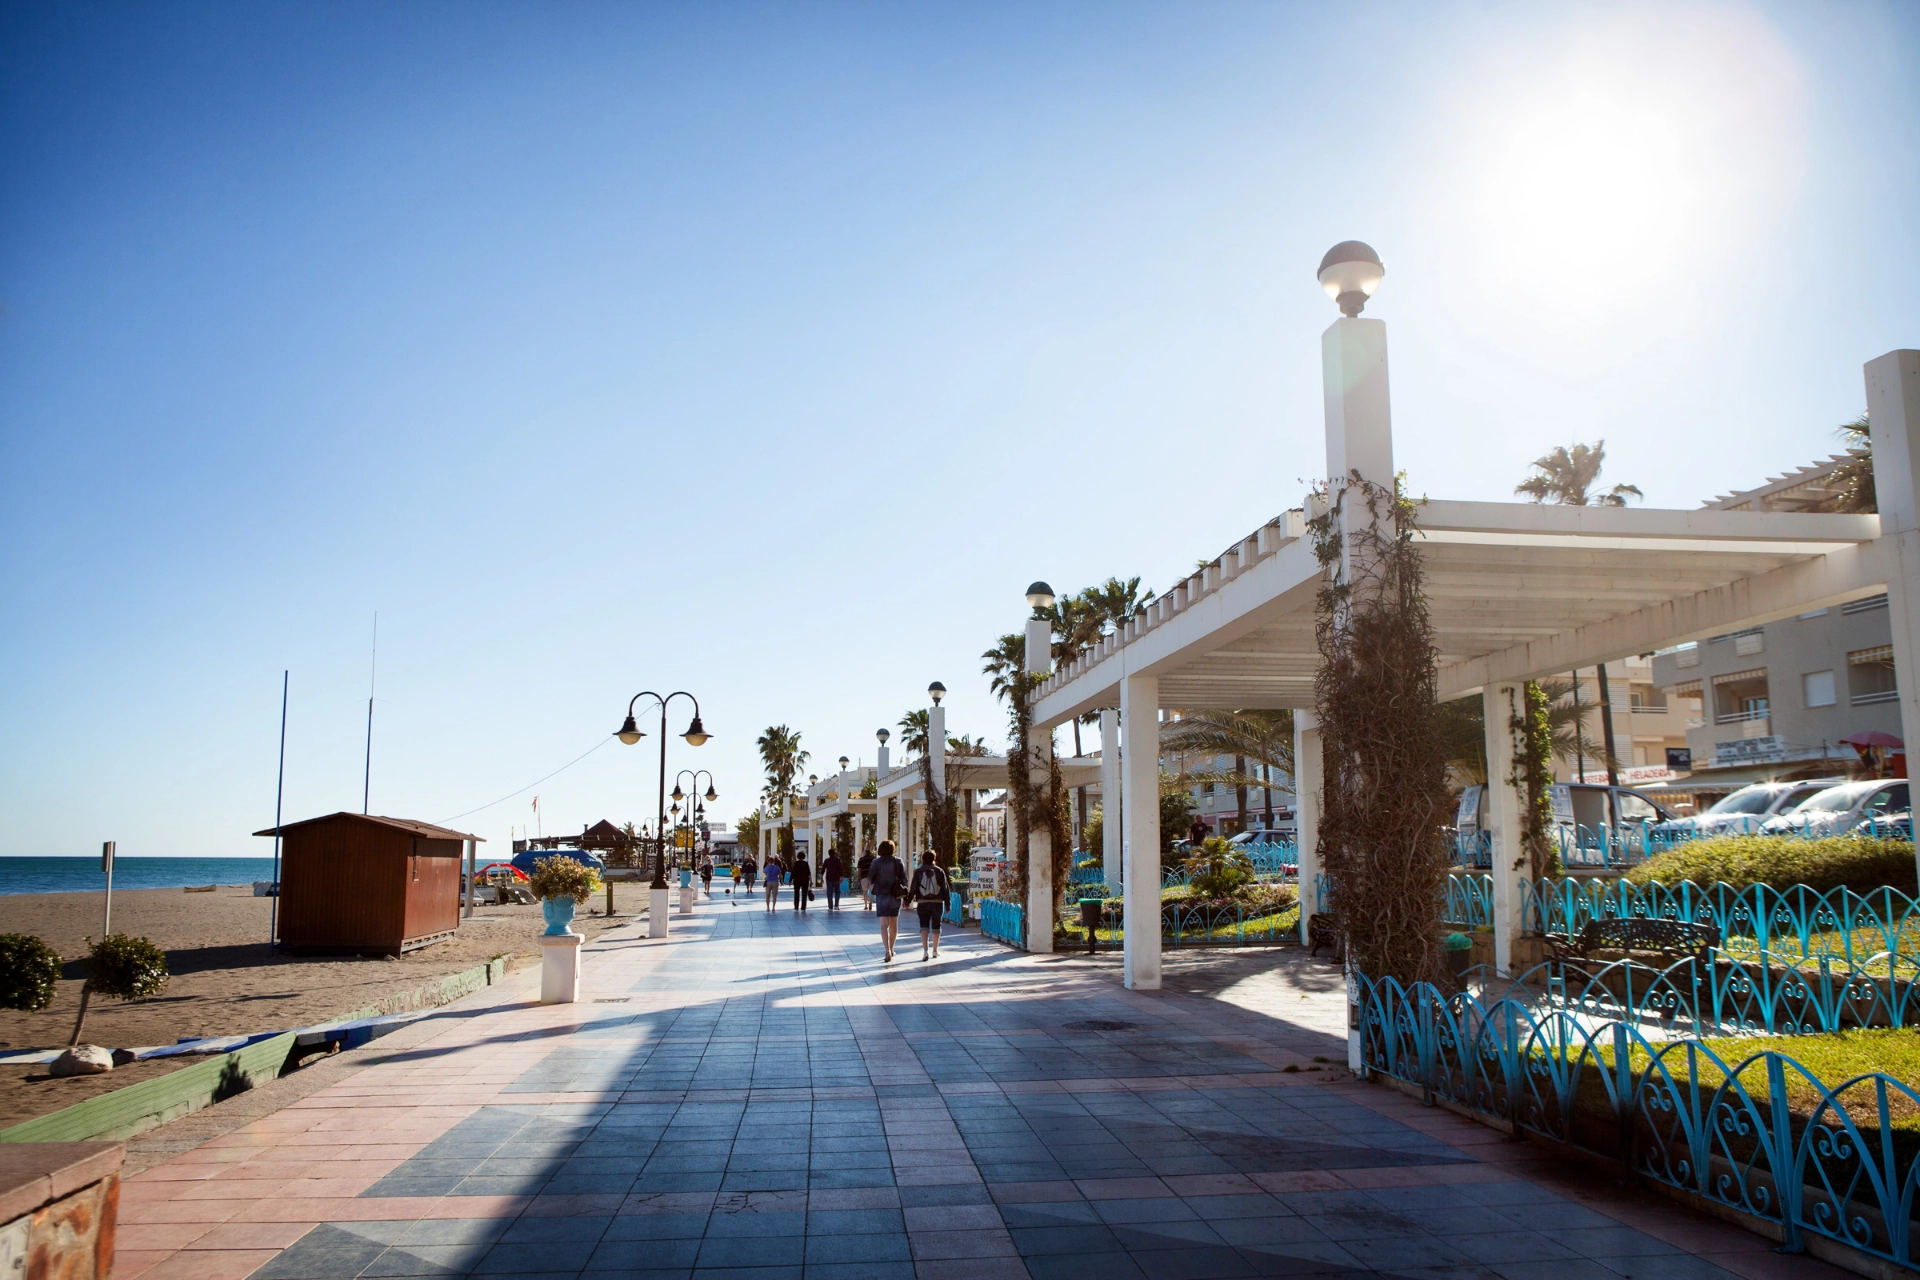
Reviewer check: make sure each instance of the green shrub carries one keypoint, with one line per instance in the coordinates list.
(125, 967)
(1218, 870)
(28, 970)
(1859, 863)
(559, 877)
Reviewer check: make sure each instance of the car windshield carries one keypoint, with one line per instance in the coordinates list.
(1834, 799)
(1751, 800)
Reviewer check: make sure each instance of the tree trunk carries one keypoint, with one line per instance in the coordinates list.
(1240, 790)
(79, 1023)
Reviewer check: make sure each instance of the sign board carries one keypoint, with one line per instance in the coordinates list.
(683, 839)
(1468, 817)
(1680, 759)
(1562, 797)
(1643, 773)
(1771, 749)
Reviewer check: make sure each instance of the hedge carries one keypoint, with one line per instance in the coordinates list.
(1859, 863)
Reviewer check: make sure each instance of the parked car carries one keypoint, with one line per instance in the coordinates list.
(1847, 807)
(1746, 811)
(1254, 837)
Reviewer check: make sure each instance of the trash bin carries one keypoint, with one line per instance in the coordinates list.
(1459, 949)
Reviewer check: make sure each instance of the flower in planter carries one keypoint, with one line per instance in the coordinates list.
(562, 877)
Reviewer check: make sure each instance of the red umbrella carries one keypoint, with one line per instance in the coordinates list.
(1872, 738)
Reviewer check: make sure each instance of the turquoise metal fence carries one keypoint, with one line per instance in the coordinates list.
(1605, 848)
(1761, 1134)
(1006, 921)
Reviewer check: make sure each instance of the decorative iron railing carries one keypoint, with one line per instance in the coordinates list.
(1606, 848)
(1761, 1133)
(1004, 920)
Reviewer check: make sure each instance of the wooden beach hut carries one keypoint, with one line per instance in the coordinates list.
(352, 882)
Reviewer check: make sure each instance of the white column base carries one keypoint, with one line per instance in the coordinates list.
(686, 900)
(657, 913)
(560, 968)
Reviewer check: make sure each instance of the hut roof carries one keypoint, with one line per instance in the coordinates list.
(407, 825)
(602, 833)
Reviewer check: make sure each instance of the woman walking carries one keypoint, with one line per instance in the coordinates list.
(929, 891)
(888, 877)
(772, 875)
(802, 877)
(866, 889)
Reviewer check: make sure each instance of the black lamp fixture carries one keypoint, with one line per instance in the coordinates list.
(1041, 597)
(1350, 273)
(696, 735)
(883, 735)
(936, 691)
(843, 764)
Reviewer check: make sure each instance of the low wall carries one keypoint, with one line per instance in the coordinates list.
(59, 1204)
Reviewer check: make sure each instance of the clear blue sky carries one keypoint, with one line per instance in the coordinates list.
(769, 350)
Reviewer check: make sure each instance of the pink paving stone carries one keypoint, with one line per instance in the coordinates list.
(1211, 1184)
(954, 1217)
(1298, 1180)
(236, 1190)
(225, 1264)
(210, 1212)
(252, 1235)
(282, 1209)
(128, 1263)
(171, 1172)
(160, 1237)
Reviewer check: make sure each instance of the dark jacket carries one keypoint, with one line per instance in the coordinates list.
(865, 865)
(929, 884)
(888, 876)
(830, 869)
(802, 873)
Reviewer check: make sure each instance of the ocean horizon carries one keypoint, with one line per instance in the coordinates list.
(81, 873)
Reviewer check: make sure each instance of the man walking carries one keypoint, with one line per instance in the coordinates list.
(802, 877)
(929, 891)
(830, 873)
(888, 876)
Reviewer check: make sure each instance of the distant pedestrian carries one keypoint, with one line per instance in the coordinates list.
(802, 878)
(772, 875)
(706, 876)
(1197, 833)
(746, 872)
(888, 876)
(866, 889)
(929, 890)
(830, 873)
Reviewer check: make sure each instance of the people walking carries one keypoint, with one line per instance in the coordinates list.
(888, 877)
(772, 876)
(866, 889)
(830, 874)
(706, 876)
(929, 891)
(802, 877)
(746, 872)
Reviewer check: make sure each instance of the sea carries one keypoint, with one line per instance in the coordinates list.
(29, 874)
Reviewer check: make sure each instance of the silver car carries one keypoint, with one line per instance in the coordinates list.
(1844, 808)
(1746, 811)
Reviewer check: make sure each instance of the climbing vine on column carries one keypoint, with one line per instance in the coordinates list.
(1384, 798)
(1533, 776)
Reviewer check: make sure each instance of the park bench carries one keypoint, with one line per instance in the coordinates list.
(1672, 940)
(1324, 931)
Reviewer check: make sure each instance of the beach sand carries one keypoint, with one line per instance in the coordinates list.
(225, 980)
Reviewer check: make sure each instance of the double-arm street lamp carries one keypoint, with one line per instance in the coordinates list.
(693, 812)
(696, 735)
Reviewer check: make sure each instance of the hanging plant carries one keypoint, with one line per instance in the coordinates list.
(1533, 775)
(1384, 800)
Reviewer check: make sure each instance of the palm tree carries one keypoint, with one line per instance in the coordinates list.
(1463, 731)
(1259, 737)
(914, 726)
(1854, 478)
(782, 757)
(1567, 476)
(1006, 659)
(964, 745)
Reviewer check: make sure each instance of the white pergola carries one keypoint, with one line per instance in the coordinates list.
(1518, 591)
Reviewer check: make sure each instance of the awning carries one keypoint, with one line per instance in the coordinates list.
(1863, 657)
(1758, 673)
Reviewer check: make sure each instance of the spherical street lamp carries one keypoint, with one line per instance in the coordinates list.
(936, 691)
(1350, 273)
(1040, 596)
(843, 764)
(883, 735)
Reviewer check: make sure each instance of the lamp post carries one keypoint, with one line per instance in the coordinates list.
(630, 733)
(679, 795)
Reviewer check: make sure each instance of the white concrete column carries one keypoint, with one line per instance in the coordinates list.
(1893, 412)
(1041, 894)
(1140, 811)
(1307, 778)
(1506, 803)
(881, 825)
(1112, 835)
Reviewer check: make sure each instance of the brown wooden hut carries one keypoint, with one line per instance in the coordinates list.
(351, 882)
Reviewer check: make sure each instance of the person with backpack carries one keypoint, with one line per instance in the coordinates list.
(863, 869)
(888, 879)
(929, 891)
(830, 873)
(802, 877)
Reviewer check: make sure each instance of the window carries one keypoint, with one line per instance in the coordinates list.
(1819, 688)
(1870, 676)
(1648, 698)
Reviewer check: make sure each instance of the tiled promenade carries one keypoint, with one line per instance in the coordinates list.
(755, 1098)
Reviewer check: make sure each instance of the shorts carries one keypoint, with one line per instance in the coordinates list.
(886, 906)
(930, 913)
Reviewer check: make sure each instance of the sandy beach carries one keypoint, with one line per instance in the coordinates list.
(225, 981)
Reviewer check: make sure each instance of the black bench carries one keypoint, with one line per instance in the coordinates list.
(1324, 931)
(1672, 940)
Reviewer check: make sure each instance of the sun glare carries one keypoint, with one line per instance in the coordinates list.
(1623, 156)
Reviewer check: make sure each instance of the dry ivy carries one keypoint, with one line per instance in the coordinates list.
(1532, 773)
(1384, 799)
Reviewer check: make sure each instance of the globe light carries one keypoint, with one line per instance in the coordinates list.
(936, 691)
(1040, 596)
(629, 732)
(696, 734)
(1350, 273)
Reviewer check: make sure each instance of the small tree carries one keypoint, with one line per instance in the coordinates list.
(1176, 814)
(28, 970)
(1218, 870)
(121, 966)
